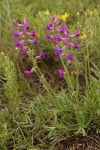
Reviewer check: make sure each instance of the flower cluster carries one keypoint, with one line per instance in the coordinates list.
(22, 41)
(59, 34)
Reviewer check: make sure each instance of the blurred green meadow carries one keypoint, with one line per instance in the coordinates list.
(42, 111)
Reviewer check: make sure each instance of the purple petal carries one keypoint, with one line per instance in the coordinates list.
(54, 19)
(33, 33)
(26, 24)
(17, 25)
(57, 40)
(75, 35)
(59, 23)
(48, 36)
(42, 55)
(28, 72)
(75, 45)
(15, 33)
(35, 41)
(49, 27)
(70, 57)
(61, 73)
(64, 29)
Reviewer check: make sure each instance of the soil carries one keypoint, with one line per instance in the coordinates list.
(89, 142)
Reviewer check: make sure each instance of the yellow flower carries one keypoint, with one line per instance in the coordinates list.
(64, 17)
(37, 34)
(84, 36)
(46, 12)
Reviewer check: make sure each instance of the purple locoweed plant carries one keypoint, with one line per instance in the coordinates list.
(22, 37)
(59, 35)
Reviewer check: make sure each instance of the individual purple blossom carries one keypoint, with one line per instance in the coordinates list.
(75, 35)
(26, 24)
(64, 29)
(75, 45)
(61, 73)
(28, 72)
(48, 36)
(33, 33)
(49, 27)
(54, 19)
(35, 41)
(18, 43)
(58, 52)
(17, 25)
(15, 33)
(57, 39)
(41, 55)
(70, 58)
(58, 23)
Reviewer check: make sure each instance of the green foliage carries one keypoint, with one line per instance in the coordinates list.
(5, 28)
(11, 87)
(42, 121)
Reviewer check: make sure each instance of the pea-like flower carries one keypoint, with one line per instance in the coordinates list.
(15, 33)
(48, 36)
(41, 55)
(61, 73)
(28, 72)
(35, 41)
(26, 24)
(58, 52)
(49, 27)
(64, 29)
(70, 58)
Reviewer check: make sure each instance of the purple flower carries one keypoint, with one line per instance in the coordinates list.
(41, 55)
(58, 52)
(61, 73)
(48, 36)
(54, 19)
(64, 29)
(68, 43)
(15, 33)
(57, 39)
(70, 58)
(33, 33)
(75, 35)
(17, 42)
(49, 27)
(75, 45)
(35, 41)
(14, 23)
(17, 25)
(26, 24)
(28, 72)
(59, 23)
